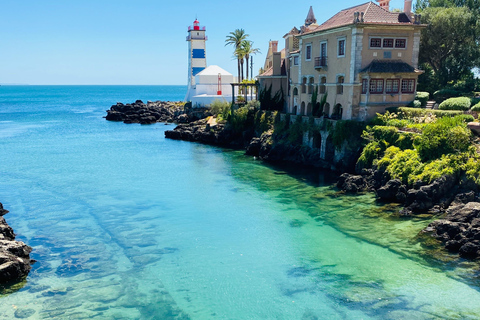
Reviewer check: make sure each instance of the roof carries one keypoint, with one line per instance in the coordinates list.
(389, 66)
(310, 17)
(213, 71)
(373, 14)
(269, 71)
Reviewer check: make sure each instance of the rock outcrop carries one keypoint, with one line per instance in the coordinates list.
(15, 262)
(460, 228)
(158, 111)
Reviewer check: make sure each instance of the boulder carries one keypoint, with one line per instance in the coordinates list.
(475, 127)
(390, 189)
(351, 183)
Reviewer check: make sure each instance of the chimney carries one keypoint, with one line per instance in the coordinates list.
(274, 45)
(408, 8)
(385, 4)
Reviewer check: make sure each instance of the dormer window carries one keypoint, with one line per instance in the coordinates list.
(400, 43)
(388, 43)
(375, 43)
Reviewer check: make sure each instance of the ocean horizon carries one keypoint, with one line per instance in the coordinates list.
(125, 224)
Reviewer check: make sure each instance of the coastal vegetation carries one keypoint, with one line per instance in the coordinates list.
(450, 46)
(421, 148)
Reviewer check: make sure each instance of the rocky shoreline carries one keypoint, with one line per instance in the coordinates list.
(158, 111)
(458, 206)
(15, 262)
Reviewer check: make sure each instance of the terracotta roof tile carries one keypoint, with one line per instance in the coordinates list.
(373, 14)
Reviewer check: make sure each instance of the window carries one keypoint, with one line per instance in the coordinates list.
(388, 43)
(308, 52)
(323, 49)
(400, 43)
(311, 82)
(408, 86)
(391, 85)
(364, 86)
(341, 48)
(340, 81)
(304, 85)
(376, 86)
(295, 91)
(322, 87)
(295, 61)
(375, 43)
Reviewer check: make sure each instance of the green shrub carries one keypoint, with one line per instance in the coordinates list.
(400, 164)
(387, 133)
(422, 97)
(444, 94)
(466, 117)
(446, 135)
(476, 107)
(405, 141)
(447, 165)
(415, 104)
(220, 109)
(370, 153)
(460, 103)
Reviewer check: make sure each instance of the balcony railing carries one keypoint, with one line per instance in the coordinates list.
(195, 37)
(320, 62)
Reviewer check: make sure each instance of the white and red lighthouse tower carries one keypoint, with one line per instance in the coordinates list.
(197, 56)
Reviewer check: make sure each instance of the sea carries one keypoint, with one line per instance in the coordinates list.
(125, 224)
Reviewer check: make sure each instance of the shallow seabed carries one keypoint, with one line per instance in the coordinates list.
(128, 225)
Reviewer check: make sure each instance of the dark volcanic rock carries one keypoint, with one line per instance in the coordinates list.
(152, 112)
(460, 228)
(389, 191)
(351, 183)
(14, 255)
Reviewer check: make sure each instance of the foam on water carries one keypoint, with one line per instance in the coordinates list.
(128, 225)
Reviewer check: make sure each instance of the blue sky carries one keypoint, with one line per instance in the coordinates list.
(136, 42)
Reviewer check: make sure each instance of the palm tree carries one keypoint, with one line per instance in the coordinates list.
(235, 38)
(247, 49)
(240, 55)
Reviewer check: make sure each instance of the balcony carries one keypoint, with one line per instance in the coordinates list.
(320, 62)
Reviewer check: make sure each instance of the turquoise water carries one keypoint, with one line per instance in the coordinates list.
(128, 225)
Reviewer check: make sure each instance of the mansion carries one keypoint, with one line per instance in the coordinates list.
(364, 59)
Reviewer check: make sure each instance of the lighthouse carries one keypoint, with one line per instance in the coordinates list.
(197, 57)
(205, 84)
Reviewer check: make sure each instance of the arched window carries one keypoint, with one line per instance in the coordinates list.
(322, 88)
(337, 111)
(295, 91)
(340, 81)
(304, 85)
(326, 110)
(311, 82)
(309, 109)
(302, 108)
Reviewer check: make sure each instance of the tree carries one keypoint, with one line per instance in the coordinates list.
(235, 38)
(449, 44)
(247, 50)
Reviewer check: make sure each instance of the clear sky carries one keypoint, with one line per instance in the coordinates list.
(136, 42)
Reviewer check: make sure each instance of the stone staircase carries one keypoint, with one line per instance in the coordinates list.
(430, 104)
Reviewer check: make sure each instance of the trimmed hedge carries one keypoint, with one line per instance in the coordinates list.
(476, 107)
(422, 97)
(460, 103)
(415, 104)
(417, 112)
